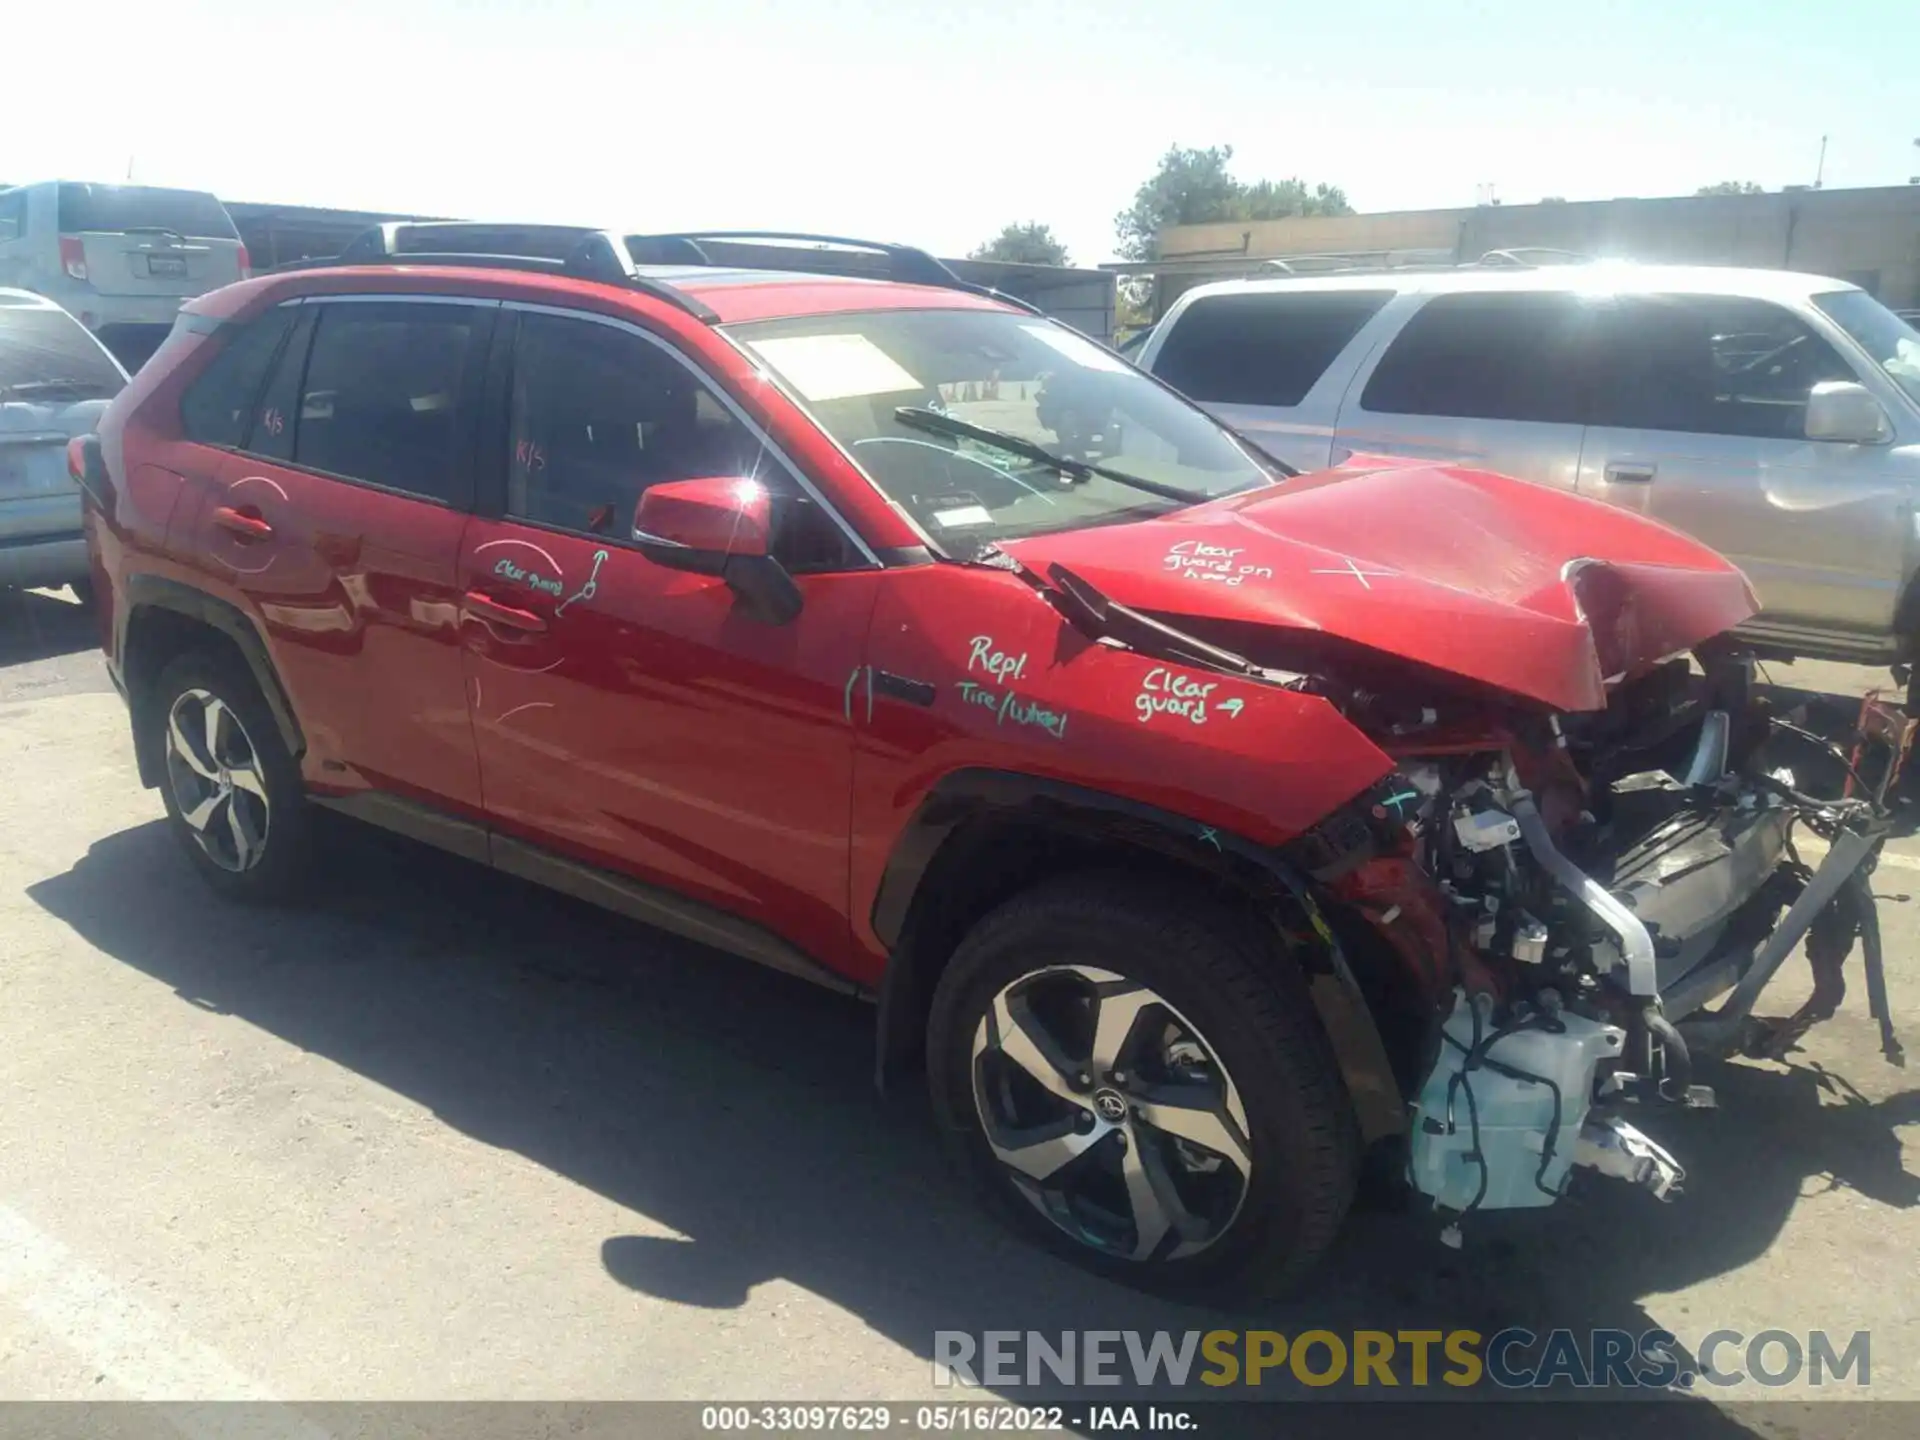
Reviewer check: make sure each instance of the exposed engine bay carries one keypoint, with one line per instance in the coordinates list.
(1593, 905)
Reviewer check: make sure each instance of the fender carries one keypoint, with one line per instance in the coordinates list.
(1093, 816)
(144, 591)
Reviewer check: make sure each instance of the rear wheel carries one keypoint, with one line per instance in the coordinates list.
(233, 794)
(1137, 1079)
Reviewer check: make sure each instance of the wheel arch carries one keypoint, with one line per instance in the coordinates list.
(163, 619)
(982, 836)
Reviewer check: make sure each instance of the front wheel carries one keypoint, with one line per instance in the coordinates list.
(1135, 1076)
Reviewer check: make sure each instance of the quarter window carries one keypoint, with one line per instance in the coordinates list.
(385, 395)
(1499, 356)
(1712, 365)
(1262, 349)
(598, 414)
(217, 405)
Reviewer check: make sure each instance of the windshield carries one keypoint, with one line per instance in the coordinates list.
(1893, 344)
(46, 358)
(1018, 374)
(141, 207)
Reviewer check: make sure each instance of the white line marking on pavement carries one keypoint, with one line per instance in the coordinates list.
(140, 1351)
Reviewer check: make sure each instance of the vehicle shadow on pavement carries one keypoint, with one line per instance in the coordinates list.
(34, 626)
(736, 1106)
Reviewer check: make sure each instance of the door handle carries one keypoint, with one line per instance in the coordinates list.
(1631, 472)
(477, 606)
(245, 524)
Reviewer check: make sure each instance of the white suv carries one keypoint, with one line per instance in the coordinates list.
(1774, 415)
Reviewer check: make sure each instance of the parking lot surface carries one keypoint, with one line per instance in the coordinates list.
(438, 1134)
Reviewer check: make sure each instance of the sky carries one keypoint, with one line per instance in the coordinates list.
(935, 122)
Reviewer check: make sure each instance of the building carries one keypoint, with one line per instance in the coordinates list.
(1868, 237)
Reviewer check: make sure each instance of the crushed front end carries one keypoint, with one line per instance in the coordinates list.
(1590, 902)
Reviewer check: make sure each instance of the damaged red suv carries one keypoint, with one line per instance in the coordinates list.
(1203, 828)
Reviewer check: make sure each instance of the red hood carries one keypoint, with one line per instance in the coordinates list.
(1536, 592)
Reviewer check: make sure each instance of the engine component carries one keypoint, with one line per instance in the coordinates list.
(1485, 829)
(1611, 1146)
(1498, 1119)
(1636, 945)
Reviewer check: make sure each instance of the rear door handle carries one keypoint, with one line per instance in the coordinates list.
(1630, 471)
(484, 607)
(247, 524)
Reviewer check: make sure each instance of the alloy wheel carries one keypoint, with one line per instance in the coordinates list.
(1111, 1113)
(217, 780)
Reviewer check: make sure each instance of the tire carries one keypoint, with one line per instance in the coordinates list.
(1224, 1027)
(256, 827)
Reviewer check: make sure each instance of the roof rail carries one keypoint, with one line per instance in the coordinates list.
(579, 251)
(904, 264)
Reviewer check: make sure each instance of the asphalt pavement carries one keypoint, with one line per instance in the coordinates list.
(438, 1134)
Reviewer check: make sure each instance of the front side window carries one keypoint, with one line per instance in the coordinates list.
(47, 358)
(1486, 356)
(1890, 342)
(598, 414)
(218, 404)
(384, 393)
(1708, 365)
(1262, 348)
(872, 379)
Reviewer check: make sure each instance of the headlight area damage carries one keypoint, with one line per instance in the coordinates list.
(1591, 856)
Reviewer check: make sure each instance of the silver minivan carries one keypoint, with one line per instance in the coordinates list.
(1774, 415)
(121, 259)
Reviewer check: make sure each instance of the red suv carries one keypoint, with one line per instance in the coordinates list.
(1203, 826)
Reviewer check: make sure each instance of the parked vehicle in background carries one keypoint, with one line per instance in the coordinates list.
(120, 258)
(1776, 416)
(55, 381)
(879, 629)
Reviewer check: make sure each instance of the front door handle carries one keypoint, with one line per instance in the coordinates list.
(244, 524)
(1630, 472)
(477, 606)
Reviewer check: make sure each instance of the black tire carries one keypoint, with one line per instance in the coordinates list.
(281, 868)
(1223, 973)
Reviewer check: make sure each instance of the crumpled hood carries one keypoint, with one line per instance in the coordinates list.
(1533, 591)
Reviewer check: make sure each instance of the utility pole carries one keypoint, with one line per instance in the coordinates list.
(1820, 170)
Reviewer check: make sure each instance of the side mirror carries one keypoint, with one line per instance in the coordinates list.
(719, 525)
(1845, 412)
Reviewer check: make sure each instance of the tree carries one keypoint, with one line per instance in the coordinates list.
(1028, 244)
(1192, 186)
(1732, 187)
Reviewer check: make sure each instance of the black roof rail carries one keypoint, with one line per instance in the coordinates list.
(575, 250)
(905, 264)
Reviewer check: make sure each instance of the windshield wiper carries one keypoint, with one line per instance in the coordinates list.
(919, 417)
(34, 387)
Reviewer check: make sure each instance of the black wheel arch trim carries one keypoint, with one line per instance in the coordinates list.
(966, 795)
(159, 593)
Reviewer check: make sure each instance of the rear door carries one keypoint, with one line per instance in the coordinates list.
(1491, 379)
(1271, 364)
(1699, 420)
(138, 240)
(338, 518)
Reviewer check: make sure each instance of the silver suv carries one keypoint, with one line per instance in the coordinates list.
(1775, 416)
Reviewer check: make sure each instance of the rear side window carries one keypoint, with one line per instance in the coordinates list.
(13, 214)
(1486, 357)
(1709, 365)
(386, 395)
(191, 213)
(1262, 349)
(218, 404)
(46, 358)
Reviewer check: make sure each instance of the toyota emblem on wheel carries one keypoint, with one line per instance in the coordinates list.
(1110, 1104)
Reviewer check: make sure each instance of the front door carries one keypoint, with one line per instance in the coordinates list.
(634, 717)
(1699, 421)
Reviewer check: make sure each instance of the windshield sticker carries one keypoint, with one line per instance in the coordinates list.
(835, 367)
(1077, 348)
(1165, 693)
(963, 516)
(1196, 560)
